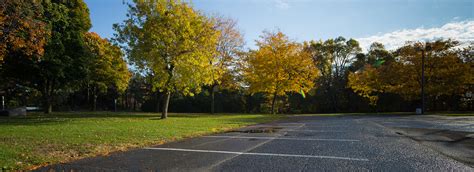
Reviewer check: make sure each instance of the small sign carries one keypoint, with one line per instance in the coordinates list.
(418, 111)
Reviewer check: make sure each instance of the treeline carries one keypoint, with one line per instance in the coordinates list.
(48, 57)
(184, 61)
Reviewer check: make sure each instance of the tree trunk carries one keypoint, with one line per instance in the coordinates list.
(48, 105)
(134, 104)
(88, 94)
(94, 103)
(164, 112)
(158, 102)
(273, 103)
(212, 99)
(48, 96)
(94, 100)
(72, 103)
(127, 102)
(335, 95)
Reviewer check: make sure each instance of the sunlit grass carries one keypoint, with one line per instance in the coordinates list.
(41, 139)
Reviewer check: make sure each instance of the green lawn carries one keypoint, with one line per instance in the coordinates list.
(38, 139)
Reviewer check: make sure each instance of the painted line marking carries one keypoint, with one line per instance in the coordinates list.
(283, 138)
(272, 126)
(316, 131)
(260, 154)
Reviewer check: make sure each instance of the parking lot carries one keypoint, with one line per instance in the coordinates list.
(309, 143)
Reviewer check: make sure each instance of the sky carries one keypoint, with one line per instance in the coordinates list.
(391, 22)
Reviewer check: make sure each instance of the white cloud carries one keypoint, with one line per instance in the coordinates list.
(461, 31)
(282, 4)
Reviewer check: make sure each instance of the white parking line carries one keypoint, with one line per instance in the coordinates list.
(316, 131)
(283, 138)
(275, 126)
(260, 154)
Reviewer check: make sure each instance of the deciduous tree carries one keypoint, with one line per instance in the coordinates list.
(171, 41)
(279, 66)
(445, 71)
(23, 31)
(229, 45)
(106, 67)
(367, 83)
(62, 65)
(370, 80)
(333, 58)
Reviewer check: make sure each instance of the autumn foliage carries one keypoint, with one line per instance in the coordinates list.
(446, 73)
(200, 63)
(279, 66)
(22, 29)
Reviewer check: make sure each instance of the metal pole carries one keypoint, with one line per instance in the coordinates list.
(423, 80)
(3, 102)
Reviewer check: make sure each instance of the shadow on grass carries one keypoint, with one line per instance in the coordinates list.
(55, 118)
(65, 117)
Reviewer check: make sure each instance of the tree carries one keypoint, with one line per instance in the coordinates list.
(369, 81)
(106, 67)
(467, 56)
(278, 67)
(230, 43)
(23, 32)
(378, 55)
(366, 83)
(172, 42)
(63, 63)
(61, 67)
(445, 71)
(20, 28)
(333, 58)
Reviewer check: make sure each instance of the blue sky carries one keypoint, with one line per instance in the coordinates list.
(388, 21)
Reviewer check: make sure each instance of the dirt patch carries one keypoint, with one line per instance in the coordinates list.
(258, 130)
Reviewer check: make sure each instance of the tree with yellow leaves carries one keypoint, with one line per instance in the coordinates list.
(278, 67)
(370, 80)
(171, 42)
(367, 83)
(106, 67)
(446, 73)
(229, 45)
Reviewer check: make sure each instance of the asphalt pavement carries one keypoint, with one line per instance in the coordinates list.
(308, 143)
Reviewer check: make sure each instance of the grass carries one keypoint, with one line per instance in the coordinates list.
(37, 140)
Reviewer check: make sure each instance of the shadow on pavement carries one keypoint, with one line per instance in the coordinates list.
(455, 144)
